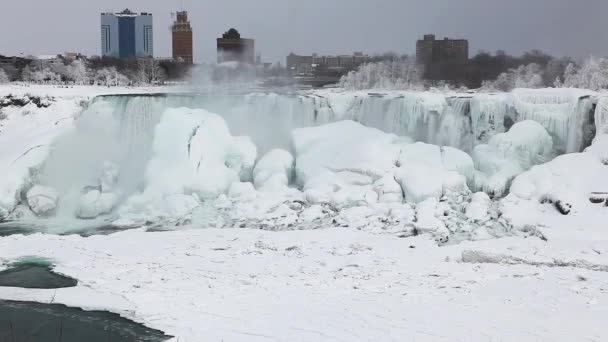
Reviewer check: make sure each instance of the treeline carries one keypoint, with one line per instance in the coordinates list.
(102, 71)
(488, 67)
(493, 72)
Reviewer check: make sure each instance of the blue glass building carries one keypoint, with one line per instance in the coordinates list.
(127, 34)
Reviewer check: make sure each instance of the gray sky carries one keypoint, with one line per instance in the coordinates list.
(561, 27)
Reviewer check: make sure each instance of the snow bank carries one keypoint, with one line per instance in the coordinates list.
(570, 178)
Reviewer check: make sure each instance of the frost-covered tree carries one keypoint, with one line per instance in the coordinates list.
(571, 76)
(3, 77)
(592, 74)
(149, 71)
(396, 74)
(78, 72)
(525, 76)
(110, 77)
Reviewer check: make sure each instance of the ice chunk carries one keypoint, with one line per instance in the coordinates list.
(456, 160)
(421, 182)
(342, 146)
(241, 190)
(195, 153)
(506, 155)
(599, 148)
(273, 172)
(427, 213)
(479, 206)
(569, 179)
(42, 200)
(388, 190)
(94, 203)
(421, 154)
(241, 157)
(340, 162)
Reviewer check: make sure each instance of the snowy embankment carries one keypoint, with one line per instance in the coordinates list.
(375, 170)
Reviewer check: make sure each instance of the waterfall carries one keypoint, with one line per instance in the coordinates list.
(601, 115)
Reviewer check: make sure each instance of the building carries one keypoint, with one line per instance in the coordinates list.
(232, 48)
(182, 38)
(443, 59)
(297, 64)
(127, 34)
(47, 61)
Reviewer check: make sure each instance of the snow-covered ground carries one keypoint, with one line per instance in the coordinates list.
(343, 200)
(335, 284)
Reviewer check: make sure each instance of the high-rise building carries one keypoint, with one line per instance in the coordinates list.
(127, 34)
(182, 38)
(443, 59)
(232, 48)
(429, 50)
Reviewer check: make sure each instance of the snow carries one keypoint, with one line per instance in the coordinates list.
(249, 285)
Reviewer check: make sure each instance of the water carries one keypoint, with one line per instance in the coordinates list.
(33, 272)
(36, 322)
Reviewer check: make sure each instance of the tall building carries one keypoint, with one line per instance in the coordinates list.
(232, 48)
(429, 50)
(127, 34)
(443, 59)
(182, 38)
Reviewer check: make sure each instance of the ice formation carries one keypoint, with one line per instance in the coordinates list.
(508, 154)
(407, 160)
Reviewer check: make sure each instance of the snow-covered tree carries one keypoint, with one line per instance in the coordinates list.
(525, 76)
(3, 77)
(571, 76)
(397, 74)
(149, 71)
(110, 77)
(77, 72)
(592, 74)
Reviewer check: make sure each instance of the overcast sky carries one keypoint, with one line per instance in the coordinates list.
(561, 27)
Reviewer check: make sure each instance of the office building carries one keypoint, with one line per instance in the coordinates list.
(127, 34)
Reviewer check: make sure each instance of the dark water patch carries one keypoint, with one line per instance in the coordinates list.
(48, 226)
(34, 273)
(9, 228)
(37, 322)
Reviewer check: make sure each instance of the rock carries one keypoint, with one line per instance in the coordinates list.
(563, 207)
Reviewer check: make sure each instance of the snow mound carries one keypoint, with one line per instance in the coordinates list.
(340, 162)
(194, 154)
(273, 172)
(42, 200)
(570, 177)
(508, 154)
